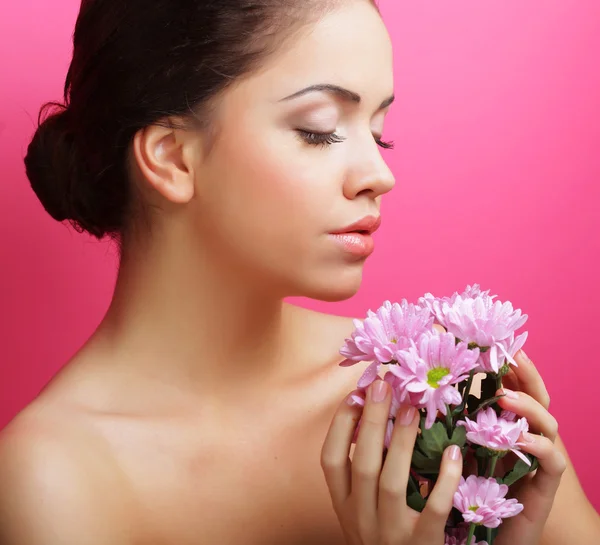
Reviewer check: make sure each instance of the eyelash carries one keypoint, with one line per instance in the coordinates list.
(326, 139)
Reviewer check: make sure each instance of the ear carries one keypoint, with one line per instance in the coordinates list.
(166, 158)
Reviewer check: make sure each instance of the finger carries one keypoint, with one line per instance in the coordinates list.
(530, 380)
(431, 524)
(368, 454)
(524, 405)
(335, 459)
(396, 469)
(537, 494)
(551, 460)
(511, 381)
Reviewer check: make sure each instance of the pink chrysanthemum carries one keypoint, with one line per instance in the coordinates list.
(482, 501)
(508, 415)
(508, 347)
(429, 369)
(484, 322)
(433, 303)
(495, 433)
(458, 536)
(382, 333)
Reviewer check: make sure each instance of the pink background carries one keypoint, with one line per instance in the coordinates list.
(497, 127)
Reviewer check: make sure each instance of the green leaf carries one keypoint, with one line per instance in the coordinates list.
(432, 441)
(413, 485)
(424, 465)
(430, 446)
(520, 470)
(459, 436)
(419, 460)
(416, 501)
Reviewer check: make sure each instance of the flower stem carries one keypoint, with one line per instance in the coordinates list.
(489, 536)
(467, 390)
(449, 421)
(469, 384)
(471, 533)
(498, 381)
(493, 466)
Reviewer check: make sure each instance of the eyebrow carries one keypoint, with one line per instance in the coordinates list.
(341, 92)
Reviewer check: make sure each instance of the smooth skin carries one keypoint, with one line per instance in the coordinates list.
(196, 413)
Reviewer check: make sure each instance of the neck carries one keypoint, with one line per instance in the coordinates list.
(197, 321)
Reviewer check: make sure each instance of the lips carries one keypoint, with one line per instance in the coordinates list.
(367, 225)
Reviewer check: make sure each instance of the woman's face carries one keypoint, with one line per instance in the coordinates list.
(272, 189)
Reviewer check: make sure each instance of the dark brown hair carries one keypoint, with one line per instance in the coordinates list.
(135, 63)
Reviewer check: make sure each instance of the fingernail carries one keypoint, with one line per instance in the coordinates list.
(406, 415)
(524, 356)
(353, 401)
(378, 391)
(454, 452)
(510, 394)
(528, 437)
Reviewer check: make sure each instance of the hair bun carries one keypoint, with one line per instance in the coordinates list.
(51, 165)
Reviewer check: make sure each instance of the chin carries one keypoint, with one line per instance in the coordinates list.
(333, 288)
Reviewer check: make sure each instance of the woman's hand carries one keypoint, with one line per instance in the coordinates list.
(536, 491)
(369, 495)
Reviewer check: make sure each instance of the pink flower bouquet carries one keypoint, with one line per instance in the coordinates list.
(433, 370)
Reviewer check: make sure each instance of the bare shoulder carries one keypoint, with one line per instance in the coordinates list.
(328, 333)
(58, 486)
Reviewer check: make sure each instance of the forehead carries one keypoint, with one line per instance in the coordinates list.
(349, 46)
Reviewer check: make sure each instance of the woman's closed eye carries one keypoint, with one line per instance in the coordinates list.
(325, 139)
(320, 138)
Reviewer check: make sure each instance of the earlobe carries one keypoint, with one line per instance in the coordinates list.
(163, 164)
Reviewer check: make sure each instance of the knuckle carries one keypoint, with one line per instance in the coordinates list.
(553, 427)
(561, 462)
(437, 508)
(391, 490)
(374, 417)
(365, 472)
(330, 462)
(546, 400)
(545, 443)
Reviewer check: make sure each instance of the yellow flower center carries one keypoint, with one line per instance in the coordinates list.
(435, 375)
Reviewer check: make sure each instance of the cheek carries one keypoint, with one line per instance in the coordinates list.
(277, 182)
(270, 197)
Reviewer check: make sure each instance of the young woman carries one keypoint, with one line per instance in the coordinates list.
(221, 144)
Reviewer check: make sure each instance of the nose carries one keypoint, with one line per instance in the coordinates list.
(368, 174)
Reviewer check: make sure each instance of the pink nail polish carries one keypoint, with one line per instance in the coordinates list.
(406, 415)
(454, 452)
(353, 401)
(378, 391)
(524, 356)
